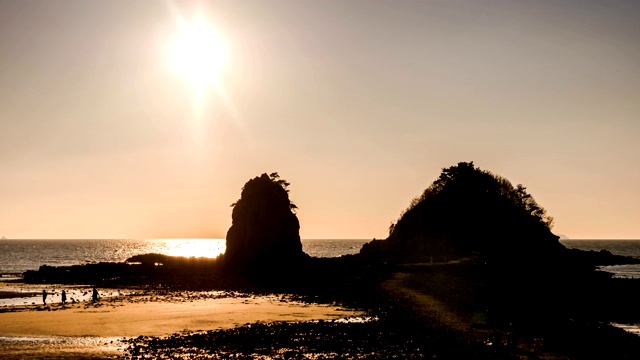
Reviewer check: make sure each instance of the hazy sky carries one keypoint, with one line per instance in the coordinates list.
(358, 104)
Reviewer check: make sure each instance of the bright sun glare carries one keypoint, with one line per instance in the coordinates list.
(194, 247)
(198, 53)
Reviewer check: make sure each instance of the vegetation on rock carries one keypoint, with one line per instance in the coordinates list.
(468, 211)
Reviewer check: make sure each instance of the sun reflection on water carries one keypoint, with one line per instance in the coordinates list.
(209, 248)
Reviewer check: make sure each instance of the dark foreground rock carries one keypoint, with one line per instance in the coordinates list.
(567, 319)
(395, 330)
(392, 337)
(148, 269)
(315, 340)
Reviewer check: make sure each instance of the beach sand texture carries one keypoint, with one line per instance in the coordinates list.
(161, 318)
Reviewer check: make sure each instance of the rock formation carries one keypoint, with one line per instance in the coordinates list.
(468, 212)
(264, 234)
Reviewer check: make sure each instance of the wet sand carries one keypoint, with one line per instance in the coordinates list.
(61, 348)
(87, 330)
(161, 318)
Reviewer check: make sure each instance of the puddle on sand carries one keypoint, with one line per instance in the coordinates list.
(14, 346)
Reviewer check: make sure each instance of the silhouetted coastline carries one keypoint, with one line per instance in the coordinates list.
(472, 242)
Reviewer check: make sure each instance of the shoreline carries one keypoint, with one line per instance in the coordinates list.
(149, 313)
(421, 309)
(412, 322)
(99, 331)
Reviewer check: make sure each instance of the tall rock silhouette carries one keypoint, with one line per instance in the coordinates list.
(265, 231)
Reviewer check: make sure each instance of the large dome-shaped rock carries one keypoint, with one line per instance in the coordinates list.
(265, 233)
(467, 212)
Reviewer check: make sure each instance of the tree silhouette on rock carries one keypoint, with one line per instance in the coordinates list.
(265, 231)
(469, 211)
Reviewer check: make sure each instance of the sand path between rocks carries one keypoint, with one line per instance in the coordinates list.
(162, 318)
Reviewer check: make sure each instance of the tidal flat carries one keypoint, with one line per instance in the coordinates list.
(97, 330)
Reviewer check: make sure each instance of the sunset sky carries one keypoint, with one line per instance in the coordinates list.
(111, 127)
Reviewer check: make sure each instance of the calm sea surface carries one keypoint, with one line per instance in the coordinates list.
(617, 247)
(17, 256)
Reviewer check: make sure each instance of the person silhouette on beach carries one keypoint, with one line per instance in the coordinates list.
(44, 297)
(64, 297)
(94, 297)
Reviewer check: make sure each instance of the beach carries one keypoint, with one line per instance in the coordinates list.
(87, 329)
(161, 318)
(418, 311)
(450, 310)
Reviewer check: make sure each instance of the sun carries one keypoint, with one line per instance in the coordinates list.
(197, 53)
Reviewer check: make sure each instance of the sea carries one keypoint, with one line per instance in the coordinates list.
(630, 248)
(18, 256)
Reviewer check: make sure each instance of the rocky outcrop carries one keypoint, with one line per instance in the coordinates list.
(264, 234)
(469, 212)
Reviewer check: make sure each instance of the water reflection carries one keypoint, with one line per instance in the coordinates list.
(52, 347)
(193, 247)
